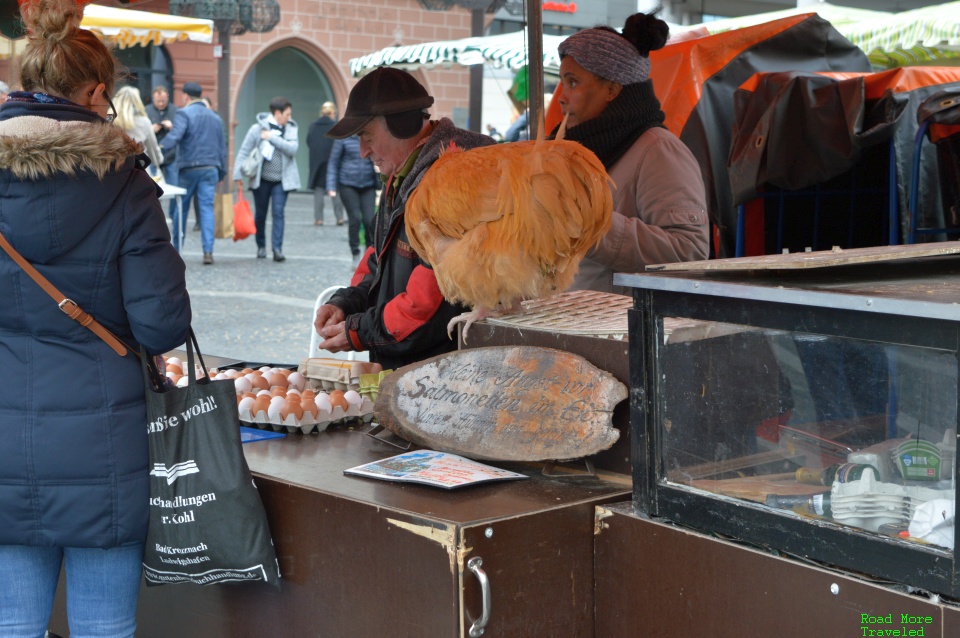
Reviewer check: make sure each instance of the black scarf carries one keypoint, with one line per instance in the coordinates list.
(611, 133)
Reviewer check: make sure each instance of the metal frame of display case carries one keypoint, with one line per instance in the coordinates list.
(791, 303)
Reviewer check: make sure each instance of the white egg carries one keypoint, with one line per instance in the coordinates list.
(220, 377)
(266, 392)
(242, 384)
(265, 369)
(273, 412)
(184, 380)
(353, 397)
(245, 405)
(323, 402)
(175, 361)
(293, 391)
(297, 381)
(276, 405)
(233, 374)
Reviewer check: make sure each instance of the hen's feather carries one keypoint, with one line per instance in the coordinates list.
(509, 222)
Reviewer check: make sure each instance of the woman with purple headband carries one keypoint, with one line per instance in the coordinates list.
(660, 211)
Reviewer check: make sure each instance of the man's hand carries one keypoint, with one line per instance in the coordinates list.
(239, 183)
(329, 324)
(331, 193)
(265, 134)
(157, 127)
(167, 124)
(335, 338)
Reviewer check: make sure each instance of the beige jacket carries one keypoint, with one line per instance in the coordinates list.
(659, 212)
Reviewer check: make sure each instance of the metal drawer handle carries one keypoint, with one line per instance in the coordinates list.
(476, 629)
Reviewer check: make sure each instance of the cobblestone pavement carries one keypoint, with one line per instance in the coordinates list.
(259, 310)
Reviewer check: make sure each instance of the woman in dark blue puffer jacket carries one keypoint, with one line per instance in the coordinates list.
(356, 179)
(77, 204)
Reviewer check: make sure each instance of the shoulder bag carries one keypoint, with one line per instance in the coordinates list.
(251, 165)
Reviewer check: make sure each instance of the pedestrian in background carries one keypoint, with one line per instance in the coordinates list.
(161, 113)
(202, 160)
(132, 120)
(319, 145)
(74, 465)
(276, 136)
(354, 179)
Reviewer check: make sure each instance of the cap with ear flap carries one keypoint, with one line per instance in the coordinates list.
(388, 92)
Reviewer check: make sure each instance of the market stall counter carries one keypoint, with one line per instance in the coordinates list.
(363, 557)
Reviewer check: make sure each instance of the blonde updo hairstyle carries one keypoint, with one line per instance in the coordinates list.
(60, 58)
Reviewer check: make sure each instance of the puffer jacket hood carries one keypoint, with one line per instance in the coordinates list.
(49, 166)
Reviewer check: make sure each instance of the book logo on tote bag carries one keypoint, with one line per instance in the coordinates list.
(174, 472)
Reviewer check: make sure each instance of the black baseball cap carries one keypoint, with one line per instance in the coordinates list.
(389, 92)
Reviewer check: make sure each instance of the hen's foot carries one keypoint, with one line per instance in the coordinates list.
(467, 319)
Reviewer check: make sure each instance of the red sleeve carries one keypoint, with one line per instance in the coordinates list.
(415, 306)
(363, 268)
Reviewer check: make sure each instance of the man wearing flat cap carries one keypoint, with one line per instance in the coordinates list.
(202, 158)
(393, 307)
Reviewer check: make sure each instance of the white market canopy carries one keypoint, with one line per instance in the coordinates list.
(839, 17)
(922, 35)
(508, 50)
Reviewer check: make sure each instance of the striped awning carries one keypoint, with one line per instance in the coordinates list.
(508, 50)
(910, 37)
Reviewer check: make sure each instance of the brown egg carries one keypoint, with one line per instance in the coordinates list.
(308, 394)
(336, 398)
(248, 394)
(260, 405)
(308, 405)
(278, 391)
(293, 408)
(259, 382)
(246, 371)
(174, 368)
(285, 372)
(276, 379)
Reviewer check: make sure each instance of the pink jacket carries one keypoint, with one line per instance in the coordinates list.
(659, 212)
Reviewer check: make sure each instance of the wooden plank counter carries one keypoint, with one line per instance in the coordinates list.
(362, 557)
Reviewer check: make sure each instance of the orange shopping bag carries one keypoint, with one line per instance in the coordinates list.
(243, 225)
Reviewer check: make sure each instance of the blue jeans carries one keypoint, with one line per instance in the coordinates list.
(102, 589)
(202, 182)
(262, 196)
(171, 176)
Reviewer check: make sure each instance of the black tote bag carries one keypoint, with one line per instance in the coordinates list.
(207, 523)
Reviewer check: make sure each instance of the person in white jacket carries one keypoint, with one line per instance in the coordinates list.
(132, 119)
(275, 135)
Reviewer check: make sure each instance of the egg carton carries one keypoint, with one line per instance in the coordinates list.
(370, 384)
(327, 374)
(308, 423)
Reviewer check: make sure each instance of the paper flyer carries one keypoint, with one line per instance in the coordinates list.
(433, 468)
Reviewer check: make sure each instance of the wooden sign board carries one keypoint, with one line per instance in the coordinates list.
(509, 403)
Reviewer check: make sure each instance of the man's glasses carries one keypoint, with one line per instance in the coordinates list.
(111, 109)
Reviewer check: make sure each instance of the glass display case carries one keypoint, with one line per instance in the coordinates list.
(804, 407)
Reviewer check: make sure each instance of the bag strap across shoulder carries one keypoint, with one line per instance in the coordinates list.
(68, 306)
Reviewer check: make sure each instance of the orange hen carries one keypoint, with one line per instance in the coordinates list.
(504, 223)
